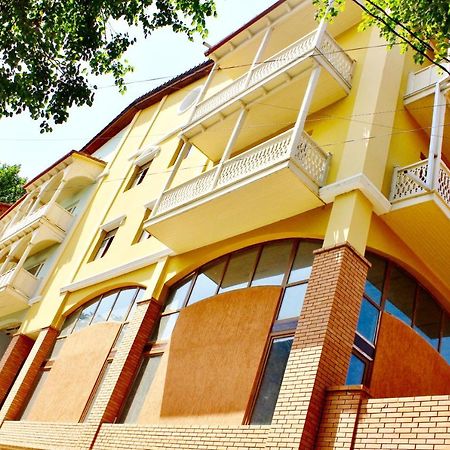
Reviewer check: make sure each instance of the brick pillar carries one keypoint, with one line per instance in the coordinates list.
(12, 360)
(322, 345)
(340, 417)
(22, 387)
(125, 364)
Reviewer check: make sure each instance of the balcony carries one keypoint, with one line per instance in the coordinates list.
(419, 100)
(16, 288)
(279, 81)
(420, 213)
(272, 181)
(51, 220)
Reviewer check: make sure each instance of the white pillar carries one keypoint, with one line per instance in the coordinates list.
(183, 152)
(229, 146)
(57, 191)
(22, 259)
(259, 52)
(436, 137)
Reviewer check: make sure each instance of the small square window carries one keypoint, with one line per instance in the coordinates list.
(139, 174)
(105, 242)
(36, 269)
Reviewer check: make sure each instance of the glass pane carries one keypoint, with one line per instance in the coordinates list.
(69, 323)
(356, 371)
(164, 329)
(427, 320)
(445, 342)
(122, 305)
(401, 293)
(139, 390)
(97, 389)
(104, 308)
(57, 348)
(292, 302)
(207, 281)
(121, 335)
(177, 295)
(375, 278)
(273, 264)
(301, 269)
(40, 381)
(271, 382)
(368, 320)
(86, 316)
(239, 270)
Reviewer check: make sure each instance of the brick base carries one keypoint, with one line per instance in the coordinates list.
(12, 361)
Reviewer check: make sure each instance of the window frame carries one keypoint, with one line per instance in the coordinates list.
(100, 251)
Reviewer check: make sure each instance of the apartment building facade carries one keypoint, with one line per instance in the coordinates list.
(253, 255)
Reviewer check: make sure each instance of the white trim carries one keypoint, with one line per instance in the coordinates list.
(117, 271)
(112, 224)
(381, 205)
(151, 204)
(148, 154)
(104, 174)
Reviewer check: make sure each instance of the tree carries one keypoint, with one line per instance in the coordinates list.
(48, 48)
(11, 183)
(423, 25)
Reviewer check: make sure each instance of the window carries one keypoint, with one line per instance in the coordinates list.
(139, 174)
(143, 234)
(105, 242)
(356, 371)
(36, 269)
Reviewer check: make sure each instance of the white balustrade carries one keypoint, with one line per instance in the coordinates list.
(277, 63)
(24, 222)
(410, 181)
(22, 281)
(306, 154)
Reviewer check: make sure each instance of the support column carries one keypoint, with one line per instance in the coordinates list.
(322, 345)
(125, 364)
(11, 362)
(23, 386)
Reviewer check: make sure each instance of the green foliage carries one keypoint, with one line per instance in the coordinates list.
(424, 23)
(11, 184)
(49, 47)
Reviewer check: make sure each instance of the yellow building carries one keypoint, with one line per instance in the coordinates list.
(253, 255)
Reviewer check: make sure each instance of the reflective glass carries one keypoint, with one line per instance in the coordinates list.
(69, 323)
(207, 281)
(239, 270)
(103, 376)
(272, 264)
(271, 382)
(356, 371)
(445, 342)
(140, 389)
(301, 269)
(85, 316)
(368, 320)
(427, 318)
(122, 305)
(292, 302)
(375, 278)
(164, 329)
(104, 308)
(400, 301)
(177, 295)
(56, 348)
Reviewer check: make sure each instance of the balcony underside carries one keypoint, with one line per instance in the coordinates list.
(11, 301)
(272, 107)
(421, 108)
(277, 193)
(423, 223)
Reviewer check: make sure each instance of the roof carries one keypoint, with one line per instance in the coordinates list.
(243, 27)
(146, 100)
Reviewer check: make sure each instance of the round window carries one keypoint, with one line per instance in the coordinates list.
(189, 100)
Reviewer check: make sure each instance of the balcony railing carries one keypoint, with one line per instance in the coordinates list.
(422, 80)
(21, 281)
(305, 47)
(306, 155)
(411, 181)
(55, 213)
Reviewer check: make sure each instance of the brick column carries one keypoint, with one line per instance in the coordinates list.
(12, 360)
(21, 390)
(340, 417)
(125, 364)
(322, 345)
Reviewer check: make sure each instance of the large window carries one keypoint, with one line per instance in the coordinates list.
(286, 263)
(391, 289)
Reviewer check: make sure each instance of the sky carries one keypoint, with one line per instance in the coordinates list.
(162, 55)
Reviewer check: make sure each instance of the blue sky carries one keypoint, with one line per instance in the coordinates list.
(164, 54)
